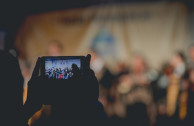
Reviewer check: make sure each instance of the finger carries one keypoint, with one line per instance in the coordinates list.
(88, 58)
(36, 68)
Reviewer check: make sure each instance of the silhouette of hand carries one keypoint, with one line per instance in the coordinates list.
(81, 88)
(85, 81)
(33, 102)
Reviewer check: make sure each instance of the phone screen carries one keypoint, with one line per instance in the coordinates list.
(60, 68)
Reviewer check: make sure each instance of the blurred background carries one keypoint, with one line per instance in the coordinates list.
(142, 52)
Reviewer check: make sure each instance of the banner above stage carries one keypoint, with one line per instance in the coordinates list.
(115, 31)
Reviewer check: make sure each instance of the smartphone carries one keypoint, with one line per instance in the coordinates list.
(60, 67)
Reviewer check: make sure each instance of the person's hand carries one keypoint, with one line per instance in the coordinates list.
(33, 102)
(85, 81)
(88, 93)
(82, 87)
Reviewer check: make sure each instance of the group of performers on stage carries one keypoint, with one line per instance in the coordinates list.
(58, 73)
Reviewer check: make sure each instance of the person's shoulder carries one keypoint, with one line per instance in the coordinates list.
(3, 53)
(7, 58)
(6, 55)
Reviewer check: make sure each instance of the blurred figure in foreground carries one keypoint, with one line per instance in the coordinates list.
(13, 112)
(11, 91)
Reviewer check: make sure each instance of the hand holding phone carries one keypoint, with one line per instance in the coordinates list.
(71, 79)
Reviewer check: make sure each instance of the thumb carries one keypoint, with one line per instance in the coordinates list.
(36, 69)
(88, 58)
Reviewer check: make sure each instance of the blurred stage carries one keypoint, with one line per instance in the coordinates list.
(142, 53)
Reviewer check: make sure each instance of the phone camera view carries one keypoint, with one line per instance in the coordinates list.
(56, 68)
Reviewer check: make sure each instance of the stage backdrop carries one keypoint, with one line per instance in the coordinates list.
(115, 31)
